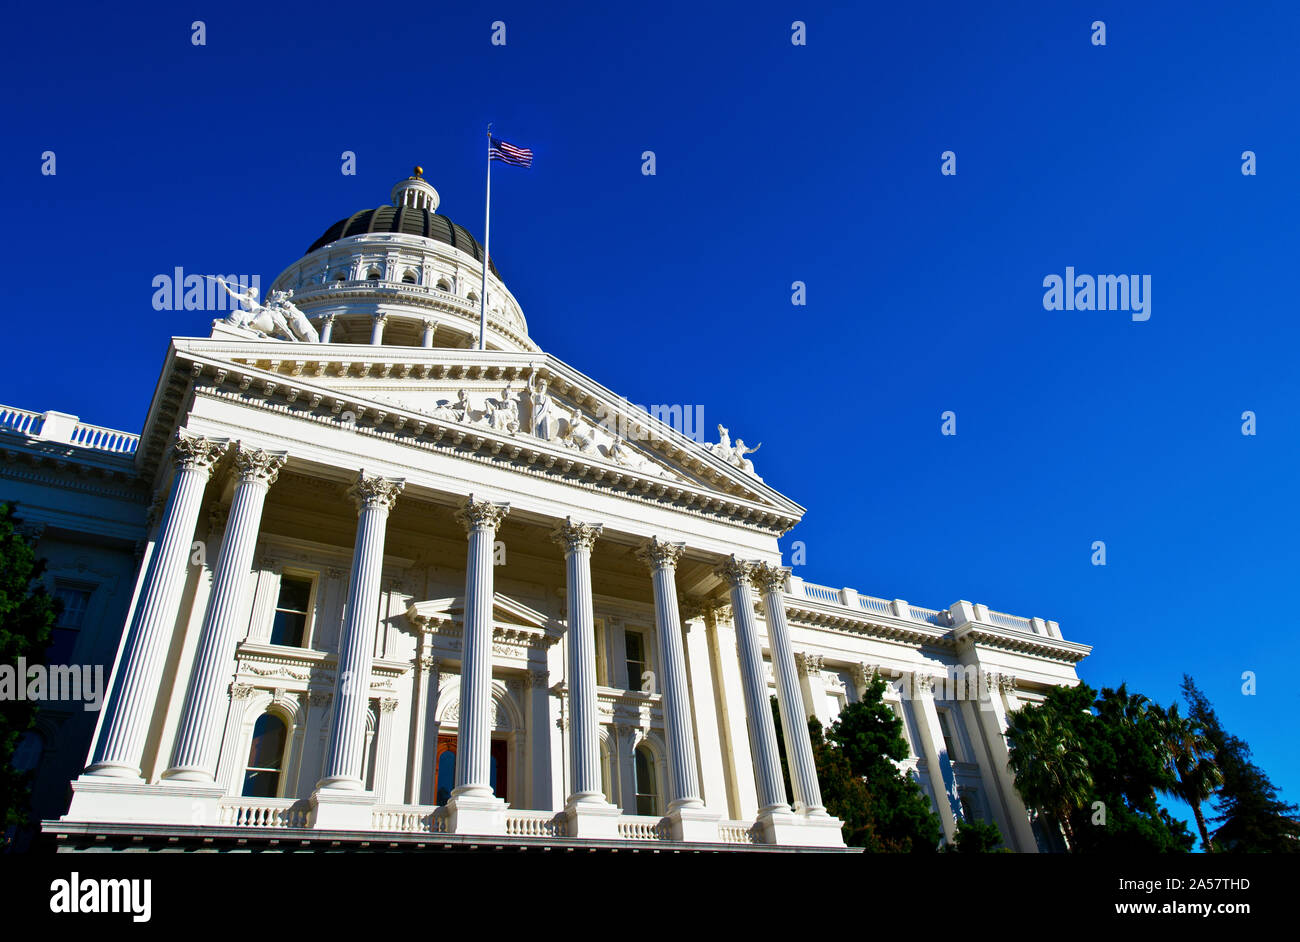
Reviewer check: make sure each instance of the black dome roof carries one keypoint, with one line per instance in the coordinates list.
(406, 220)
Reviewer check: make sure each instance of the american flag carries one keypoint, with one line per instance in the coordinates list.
(509, 153)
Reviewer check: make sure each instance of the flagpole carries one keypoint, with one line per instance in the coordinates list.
(487, 221)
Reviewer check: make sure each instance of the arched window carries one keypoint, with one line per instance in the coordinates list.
(265, 757)
(341, 276)
(471, 296)
(373, 275)
(409, 278)
(647, 792)
(445, 769)
(444, 284)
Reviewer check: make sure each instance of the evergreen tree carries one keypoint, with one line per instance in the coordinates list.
(27, 615)
(1249, 815)
(976, 837)
(883, 810)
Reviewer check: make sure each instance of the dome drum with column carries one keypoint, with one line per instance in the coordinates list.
(409, 265)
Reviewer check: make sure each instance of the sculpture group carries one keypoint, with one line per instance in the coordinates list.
(279, 317)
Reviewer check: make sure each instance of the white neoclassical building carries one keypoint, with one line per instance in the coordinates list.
(357, 580)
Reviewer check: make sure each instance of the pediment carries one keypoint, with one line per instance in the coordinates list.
(511, 619)
(533, 409)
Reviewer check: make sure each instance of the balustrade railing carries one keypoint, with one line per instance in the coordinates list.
(264, 813)
(20, 420)
(535, 824)
(642, 828)
(739, 832)
(105, 439)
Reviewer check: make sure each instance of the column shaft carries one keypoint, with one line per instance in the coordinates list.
(758, 715)
(584, 733)
(683, 777)
(794, 722)
(120, 748)
(345, 757)
(474, 730)
(198, 740)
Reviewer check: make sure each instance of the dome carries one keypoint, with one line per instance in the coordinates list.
(404, 220)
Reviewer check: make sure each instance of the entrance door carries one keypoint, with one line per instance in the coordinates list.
(444, 768)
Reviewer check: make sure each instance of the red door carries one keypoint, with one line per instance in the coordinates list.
(444, 768)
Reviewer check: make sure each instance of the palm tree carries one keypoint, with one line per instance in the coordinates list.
(1190, 757)
(1051, 772)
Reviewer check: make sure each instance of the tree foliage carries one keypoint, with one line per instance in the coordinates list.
(27, 615)
(883, 809)
(1249, 815)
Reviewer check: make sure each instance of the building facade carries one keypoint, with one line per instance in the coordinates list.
(358, 579)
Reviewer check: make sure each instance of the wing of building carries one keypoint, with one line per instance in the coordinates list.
(359, 580)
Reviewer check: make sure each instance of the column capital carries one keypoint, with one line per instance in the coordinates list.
(197, 452)
(1006, 682)
(808, 663)
(769, 578)
(258, 464)
(373, 490)
(573, 535)
(478, 514)
(660, 554)
(381, 317)
(735, 572)
(328, 318)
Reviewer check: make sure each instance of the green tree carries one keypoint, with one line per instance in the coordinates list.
(1191, 760)
(27, 615)
(1096, 764)
(976, 837)
(1249, 815)
(883, 810)
(1046, 756)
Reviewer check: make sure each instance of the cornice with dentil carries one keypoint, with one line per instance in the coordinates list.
(743, 511)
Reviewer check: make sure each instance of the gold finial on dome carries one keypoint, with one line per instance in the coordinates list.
(419, 172)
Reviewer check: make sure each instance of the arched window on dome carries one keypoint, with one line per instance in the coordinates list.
(373, 275)
(410, 278)
(444, 284)
(265, 757)
(647, 789)
(472, 296)
(341, 276)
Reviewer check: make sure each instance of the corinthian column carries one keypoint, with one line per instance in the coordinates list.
(473, 808)
(588, 812)
(128, 717)
(374, 497)
(770, 581)
(577, 540)
(762, 730)
(198, 740)
(686, 813)
(683, 779)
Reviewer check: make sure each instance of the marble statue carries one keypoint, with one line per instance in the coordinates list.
(296, 319)
(503, 413)
(734, 455)
(544, 423)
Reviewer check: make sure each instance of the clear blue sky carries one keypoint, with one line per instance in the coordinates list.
(775, 163)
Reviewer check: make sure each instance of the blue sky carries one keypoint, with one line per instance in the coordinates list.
(775, 163)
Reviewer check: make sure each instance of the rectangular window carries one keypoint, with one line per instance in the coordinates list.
(949, 741)
(63, 637)
(636, 663)
(290, 625)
